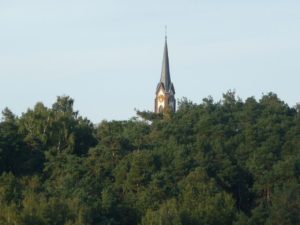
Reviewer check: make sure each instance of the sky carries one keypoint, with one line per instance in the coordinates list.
(107, 54)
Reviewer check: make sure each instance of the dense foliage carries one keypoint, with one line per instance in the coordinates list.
(227, 162)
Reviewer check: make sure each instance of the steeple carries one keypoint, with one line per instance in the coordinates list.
(165, 78)
(165, 91)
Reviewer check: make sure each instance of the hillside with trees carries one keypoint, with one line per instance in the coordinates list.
(226, 162)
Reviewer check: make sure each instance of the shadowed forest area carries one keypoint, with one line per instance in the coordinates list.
(226, 162)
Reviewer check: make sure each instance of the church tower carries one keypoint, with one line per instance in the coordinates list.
(165, 91)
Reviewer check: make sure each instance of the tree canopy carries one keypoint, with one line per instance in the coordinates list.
(217, 162)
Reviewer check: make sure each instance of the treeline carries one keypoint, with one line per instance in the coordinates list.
(228, 162)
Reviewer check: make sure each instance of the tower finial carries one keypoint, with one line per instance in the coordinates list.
(166, 32)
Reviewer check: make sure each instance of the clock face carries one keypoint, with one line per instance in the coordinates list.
(161, 98)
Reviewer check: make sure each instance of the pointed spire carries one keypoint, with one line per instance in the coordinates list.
(165, 72)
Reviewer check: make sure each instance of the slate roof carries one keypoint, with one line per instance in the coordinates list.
(165, 78)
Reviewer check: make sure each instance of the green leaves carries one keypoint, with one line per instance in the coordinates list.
(167, 214)
(227, 162)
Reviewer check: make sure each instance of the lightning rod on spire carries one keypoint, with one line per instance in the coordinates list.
(166, 32)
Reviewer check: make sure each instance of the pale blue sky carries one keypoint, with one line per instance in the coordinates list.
(107, 54)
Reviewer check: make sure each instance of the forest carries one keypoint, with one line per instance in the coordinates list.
(223, 162)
